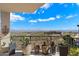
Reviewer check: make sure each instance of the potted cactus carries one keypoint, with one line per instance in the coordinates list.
(25, 46)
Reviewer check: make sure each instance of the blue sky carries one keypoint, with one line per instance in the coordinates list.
(50, 16)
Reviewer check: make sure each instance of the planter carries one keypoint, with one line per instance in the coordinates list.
(4, 50)
(44, 50)
(37, 48)
(63, 50)
(27, 50)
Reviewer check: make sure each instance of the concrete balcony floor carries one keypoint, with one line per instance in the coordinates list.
(19, 53)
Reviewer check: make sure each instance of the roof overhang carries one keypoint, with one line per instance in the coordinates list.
(19, 7)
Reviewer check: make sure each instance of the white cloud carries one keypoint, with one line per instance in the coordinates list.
(58, 16)
(61, 3)
(45, 20)
(42, 20)
(73, 4)
(33, 21)
(43, 11)
(77, 4)
(38, 11)
(14, 17)
(71, 16)
(46, 6)
(24, 13)
(35, 12)
(65, 5)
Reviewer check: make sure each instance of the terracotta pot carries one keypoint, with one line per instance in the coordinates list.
(44, 50)
(37, 48)
(27, 50)
(4, 50)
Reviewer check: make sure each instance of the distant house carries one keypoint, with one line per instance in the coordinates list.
(53, 33)
(77, 39)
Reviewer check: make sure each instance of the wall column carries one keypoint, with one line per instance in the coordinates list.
(5, 28)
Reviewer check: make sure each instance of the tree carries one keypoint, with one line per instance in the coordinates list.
(68, 40)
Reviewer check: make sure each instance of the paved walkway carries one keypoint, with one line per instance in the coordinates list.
(19, 53)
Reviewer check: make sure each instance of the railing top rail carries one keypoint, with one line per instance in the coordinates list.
(34, 36)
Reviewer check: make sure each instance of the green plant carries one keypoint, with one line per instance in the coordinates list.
(73, 51)
(25, 41)
(68, 40)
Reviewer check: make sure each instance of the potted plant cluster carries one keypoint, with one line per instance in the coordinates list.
(25, 43)
(44, 49)
(64, 48)
(37, 48)
(74, 51)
